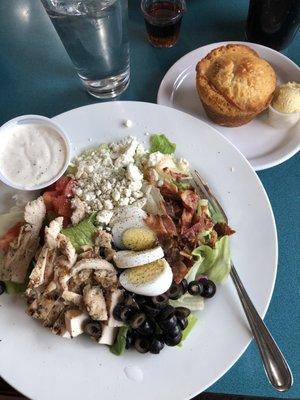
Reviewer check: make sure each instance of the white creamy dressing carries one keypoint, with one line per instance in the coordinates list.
(134, 373)
(31, 154)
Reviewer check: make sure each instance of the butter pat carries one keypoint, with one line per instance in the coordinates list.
(287, 98)
(284, 112)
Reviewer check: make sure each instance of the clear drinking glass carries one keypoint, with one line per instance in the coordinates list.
(95, 35)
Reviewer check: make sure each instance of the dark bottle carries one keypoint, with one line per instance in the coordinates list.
(273, 23)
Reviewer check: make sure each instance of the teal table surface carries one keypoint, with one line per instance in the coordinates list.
(37, 77)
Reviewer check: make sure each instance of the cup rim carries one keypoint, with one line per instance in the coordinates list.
(163, 19)
(31, 118)
(282, 113)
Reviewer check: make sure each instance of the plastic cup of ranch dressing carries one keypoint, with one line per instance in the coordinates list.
(34, 152)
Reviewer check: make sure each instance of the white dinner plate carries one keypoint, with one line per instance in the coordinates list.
(48, 367)
(263, 145)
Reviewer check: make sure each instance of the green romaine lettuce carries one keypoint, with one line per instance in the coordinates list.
(161, 143)
(192, 319)
(13, 288)
(71, 170)
(81, 234)
(192, 274)
(215, 212)
(119, 345)
(182, 185)
(215, 263)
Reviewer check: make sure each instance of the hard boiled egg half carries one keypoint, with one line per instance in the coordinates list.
(150, 279)
(130, 259)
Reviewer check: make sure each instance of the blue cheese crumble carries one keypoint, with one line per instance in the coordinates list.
(109, 177)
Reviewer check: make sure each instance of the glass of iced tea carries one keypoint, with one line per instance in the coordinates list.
(163, 20)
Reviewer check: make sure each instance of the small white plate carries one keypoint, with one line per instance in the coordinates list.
(47, 367)
(263, 145)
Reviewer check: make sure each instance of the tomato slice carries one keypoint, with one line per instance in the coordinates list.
(48, 199)
(58, 198)
(62, 206)
(62, 183)
(69, 188)
(10, 235)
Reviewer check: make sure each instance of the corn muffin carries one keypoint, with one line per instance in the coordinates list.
(234, 84)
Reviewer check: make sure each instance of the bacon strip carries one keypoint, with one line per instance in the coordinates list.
(178, 229)
(169, 225)
(213, 239)
(203, 224)
(169, 191)
(173, 208)
(155, 223)
(190, 200)
(223, 229)
(179, 271)
(176, 175)
(186, 255)
(186, 220)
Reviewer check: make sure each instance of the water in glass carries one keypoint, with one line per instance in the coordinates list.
(94, 33)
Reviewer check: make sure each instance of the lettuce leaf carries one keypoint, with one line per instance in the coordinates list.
(13, 288)
(182, 185)
(192, 319)
(193, 272)
(155, 201)
(71, 170)
(194, 303)
(161, 143)
(119, 345)
(81, 234)
(215, 263)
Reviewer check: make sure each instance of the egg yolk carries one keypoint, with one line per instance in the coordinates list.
(145, 273)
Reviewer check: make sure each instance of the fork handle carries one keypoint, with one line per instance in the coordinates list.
(275, 365)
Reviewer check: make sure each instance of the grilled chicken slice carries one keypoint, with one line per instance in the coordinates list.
(74, 321)
(34, 213)
(78, 211)
(59, 326)
(37, 274)
(106, 278)
(78, 281)
(72, 298)
(44, 266)
(54, 313)
(23, 248)
(94, 302)
(52, 231)
(108, 335)
(103, 239)
(40, 308)
(65, 259)
(68, 253)
(92, 263)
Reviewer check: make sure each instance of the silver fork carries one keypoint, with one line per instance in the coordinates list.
(275, 365)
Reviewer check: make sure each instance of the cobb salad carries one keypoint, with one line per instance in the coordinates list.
(121, 248)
